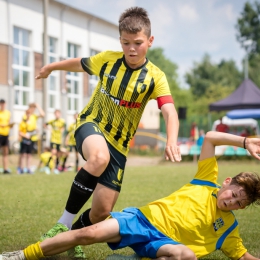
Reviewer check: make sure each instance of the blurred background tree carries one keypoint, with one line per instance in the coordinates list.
(248, 34)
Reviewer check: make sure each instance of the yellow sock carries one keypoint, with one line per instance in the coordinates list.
(33, 252)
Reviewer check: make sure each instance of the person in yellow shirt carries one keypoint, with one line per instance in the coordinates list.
(189, 224)
(47, 159)
(31, 130)
(70, 143)
(57, 129)
(5, 126)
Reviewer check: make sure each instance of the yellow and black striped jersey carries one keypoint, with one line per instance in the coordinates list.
(57, 130)
(120, 96)
(71, 131)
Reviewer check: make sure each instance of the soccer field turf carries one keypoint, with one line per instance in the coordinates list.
(31, 204)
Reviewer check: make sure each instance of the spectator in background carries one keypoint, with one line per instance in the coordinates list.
(57, 129)
(194, 132)
(26, 144)
(245, 132)
(5, 126)
(201, 137)
(221, 127)
(29, 120)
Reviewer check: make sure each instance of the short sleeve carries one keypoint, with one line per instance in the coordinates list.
(93, 64)
(161, 85)
(207, 170)
(233, 246)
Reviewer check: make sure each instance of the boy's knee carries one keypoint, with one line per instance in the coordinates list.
(182, 253)
(85, 236)
(99, 160)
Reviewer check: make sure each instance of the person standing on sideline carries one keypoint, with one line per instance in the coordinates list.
(5, 126)
(70, 143)
(31, 129)
(57, 129)
(105, 127)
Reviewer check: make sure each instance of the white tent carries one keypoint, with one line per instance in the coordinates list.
(246, 122)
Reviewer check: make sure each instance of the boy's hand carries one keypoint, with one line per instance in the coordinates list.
(253, 147)
(44, 73)
(172, 152)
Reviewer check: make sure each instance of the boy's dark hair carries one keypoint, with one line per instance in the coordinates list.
(2, 101)
(134, 20)
(251, 184)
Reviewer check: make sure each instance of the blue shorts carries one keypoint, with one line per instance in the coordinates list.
(138, 233)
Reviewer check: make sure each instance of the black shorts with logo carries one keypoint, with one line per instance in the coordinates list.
(113, 175)
(4, 140)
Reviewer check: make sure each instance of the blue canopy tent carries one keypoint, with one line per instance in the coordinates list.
(244, 113)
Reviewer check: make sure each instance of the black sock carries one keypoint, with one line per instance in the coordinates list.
(83, 221)
(77, 165)
(64, 162)
(57, 162)
(81, 190)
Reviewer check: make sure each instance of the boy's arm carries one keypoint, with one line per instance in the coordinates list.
(41, 112)
(247, 256)
(213, 139)
(73, 65)
(172, 151)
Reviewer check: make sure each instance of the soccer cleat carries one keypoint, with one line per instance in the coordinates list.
(16, 255)
(76, 252)
(47, 170)
(126, 257)
(56, 171)
(7, 172)
(55, 230)
(19, 170)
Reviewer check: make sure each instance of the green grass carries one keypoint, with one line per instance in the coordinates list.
(31, 204)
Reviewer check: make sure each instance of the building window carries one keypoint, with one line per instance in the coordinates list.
(22, 67)
(53, 79)
(74, 82)
(93, 79)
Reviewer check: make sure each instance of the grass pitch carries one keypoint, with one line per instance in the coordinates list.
(31, 204)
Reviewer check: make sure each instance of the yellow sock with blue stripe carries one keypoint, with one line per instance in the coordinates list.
(33, 252)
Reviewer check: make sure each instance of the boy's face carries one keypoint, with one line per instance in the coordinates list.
(57, 114)
(231, 197)
(135, 47)
(2, 106)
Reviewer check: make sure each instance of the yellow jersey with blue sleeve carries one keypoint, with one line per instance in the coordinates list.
(120, 96)
(191, 216)
(71, 131)
(5, 116)
(57, 130)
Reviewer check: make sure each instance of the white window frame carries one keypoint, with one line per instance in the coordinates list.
(50, 92)
(21, 68)
(93, 79)
(74, 98)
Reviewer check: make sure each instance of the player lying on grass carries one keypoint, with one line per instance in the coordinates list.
(188, 224)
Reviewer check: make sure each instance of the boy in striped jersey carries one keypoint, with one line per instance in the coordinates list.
(128, 80)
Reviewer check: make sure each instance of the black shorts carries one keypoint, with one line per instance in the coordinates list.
(4, 140)
(55, 146)
(113, 175)
(71, 147)
(26, 147)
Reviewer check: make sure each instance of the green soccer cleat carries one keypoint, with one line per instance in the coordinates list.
(55, 230)
(76, 252)
(16, 255)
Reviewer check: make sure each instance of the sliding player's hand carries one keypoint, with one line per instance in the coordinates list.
(253, 147)
(172, 153)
